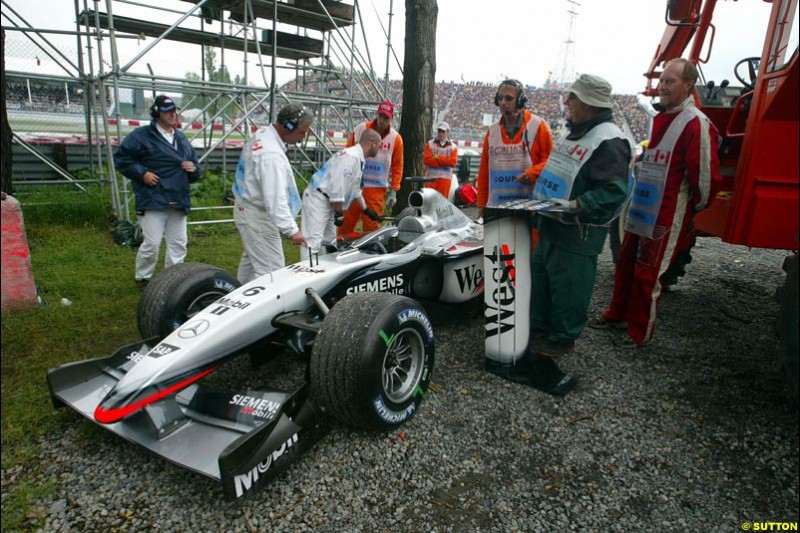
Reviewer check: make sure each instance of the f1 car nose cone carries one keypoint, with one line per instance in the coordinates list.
(115, 407)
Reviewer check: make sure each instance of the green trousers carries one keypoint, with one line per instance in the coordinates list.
(562, 285)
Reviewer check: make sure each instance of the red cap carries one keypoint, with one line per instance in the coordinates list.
(386, 108)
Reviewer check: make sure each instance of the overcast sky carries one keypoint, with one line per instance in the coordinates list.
(476, 40)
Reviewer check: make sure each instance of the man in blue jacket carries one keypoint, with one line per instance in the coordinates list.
(160, 163)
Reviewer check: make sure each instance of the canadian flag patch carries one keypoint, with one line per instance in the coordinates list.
(577, 152)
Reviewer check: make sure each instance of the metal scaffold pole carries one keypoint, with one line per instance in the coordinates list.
(339, 81)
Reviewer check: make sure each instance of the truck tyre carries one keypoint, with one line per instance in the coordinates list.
(372, 360)
(179, 292)
(788, 320)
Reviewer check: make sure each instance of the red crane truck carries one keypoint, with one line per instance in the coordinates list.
(758, 120)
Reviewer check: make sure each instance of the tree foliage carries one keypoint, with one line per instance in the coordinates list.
(213, 73)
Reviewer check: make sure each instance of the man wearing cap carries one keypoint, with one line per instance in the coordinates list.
(332, 189)
(382, 173)
(678, 178)
(587, 177)
(266, 200)
(440, 158)
(160, 162)
(515, 149)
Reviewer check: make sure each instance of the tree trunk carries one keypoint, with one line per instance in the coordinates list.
(419, 77)
(5, 129)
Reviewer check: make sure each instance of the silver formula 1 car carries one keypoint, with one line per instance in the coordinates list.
(359, 316)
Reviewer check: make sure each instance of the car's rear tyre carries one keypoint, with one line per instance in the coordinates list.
(372, 360)
(178, 293)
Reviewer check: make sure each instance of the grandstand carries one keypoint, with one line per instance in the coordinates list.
(464, 105)
(38, 95)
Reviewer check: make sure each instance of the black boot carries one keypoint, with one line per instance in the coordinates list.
(547, 377)
(541, 373)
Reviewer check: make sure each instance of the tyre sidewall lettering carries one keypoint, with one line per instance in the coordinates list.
(376, 344)
(193, 287)
(163, 305)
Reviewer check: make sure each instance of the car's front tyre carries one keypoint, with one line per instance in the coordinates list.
(179, 292)
(372, 360)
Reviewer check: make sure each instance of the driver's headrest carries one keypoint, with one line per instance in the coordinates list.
(410, 227)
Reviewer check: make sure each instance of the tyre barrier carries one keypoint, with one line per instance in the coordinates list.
(18, 288)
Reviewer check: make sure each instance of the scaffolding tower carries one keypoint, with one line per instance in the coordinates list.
(317, 40)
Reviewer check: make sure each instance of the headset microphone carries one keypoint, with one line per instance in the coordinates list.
(521, 98)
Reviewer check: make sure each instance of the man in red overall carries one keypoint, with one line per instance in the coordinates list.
(679, 175)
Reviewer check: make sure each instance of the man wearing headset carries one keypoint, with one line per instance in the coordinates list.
(266, 198)
(515, 149)
(160, 163)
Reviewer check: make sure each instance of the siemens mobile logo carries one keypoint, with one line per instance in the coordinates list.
(393, 284)
(255, 406)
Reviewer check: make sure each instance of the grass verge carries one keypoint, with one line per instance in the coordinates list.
(74, 258)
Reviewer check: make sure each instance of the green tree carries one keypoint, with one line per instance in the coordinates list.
(212, 73)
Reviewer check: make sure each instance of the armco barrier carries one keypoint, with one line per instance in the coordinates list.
(18, 289)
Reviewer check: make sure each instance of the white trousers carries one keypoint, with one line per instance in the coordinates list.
(261, 240)
(157, 224)
(317, 223)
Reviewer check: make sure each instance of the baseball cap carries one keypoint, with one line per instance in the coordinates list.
(386, 108)
(443, 126)
(592, 90)
(164, 103)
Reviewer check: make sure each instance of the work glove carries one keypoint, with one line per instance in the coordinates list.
(338, 218)
(372, 214)
(391, 198)
(572, 205)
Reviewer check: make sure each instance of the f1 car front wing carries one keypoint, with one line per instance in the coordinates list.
(242, 439)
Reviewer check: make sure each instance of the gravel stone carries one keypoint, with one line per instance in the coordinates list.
(692, 433)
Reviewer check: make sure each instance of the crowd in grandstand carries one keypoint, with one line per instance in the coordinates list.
(43, 96)
(463, 105)
(628, 107)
